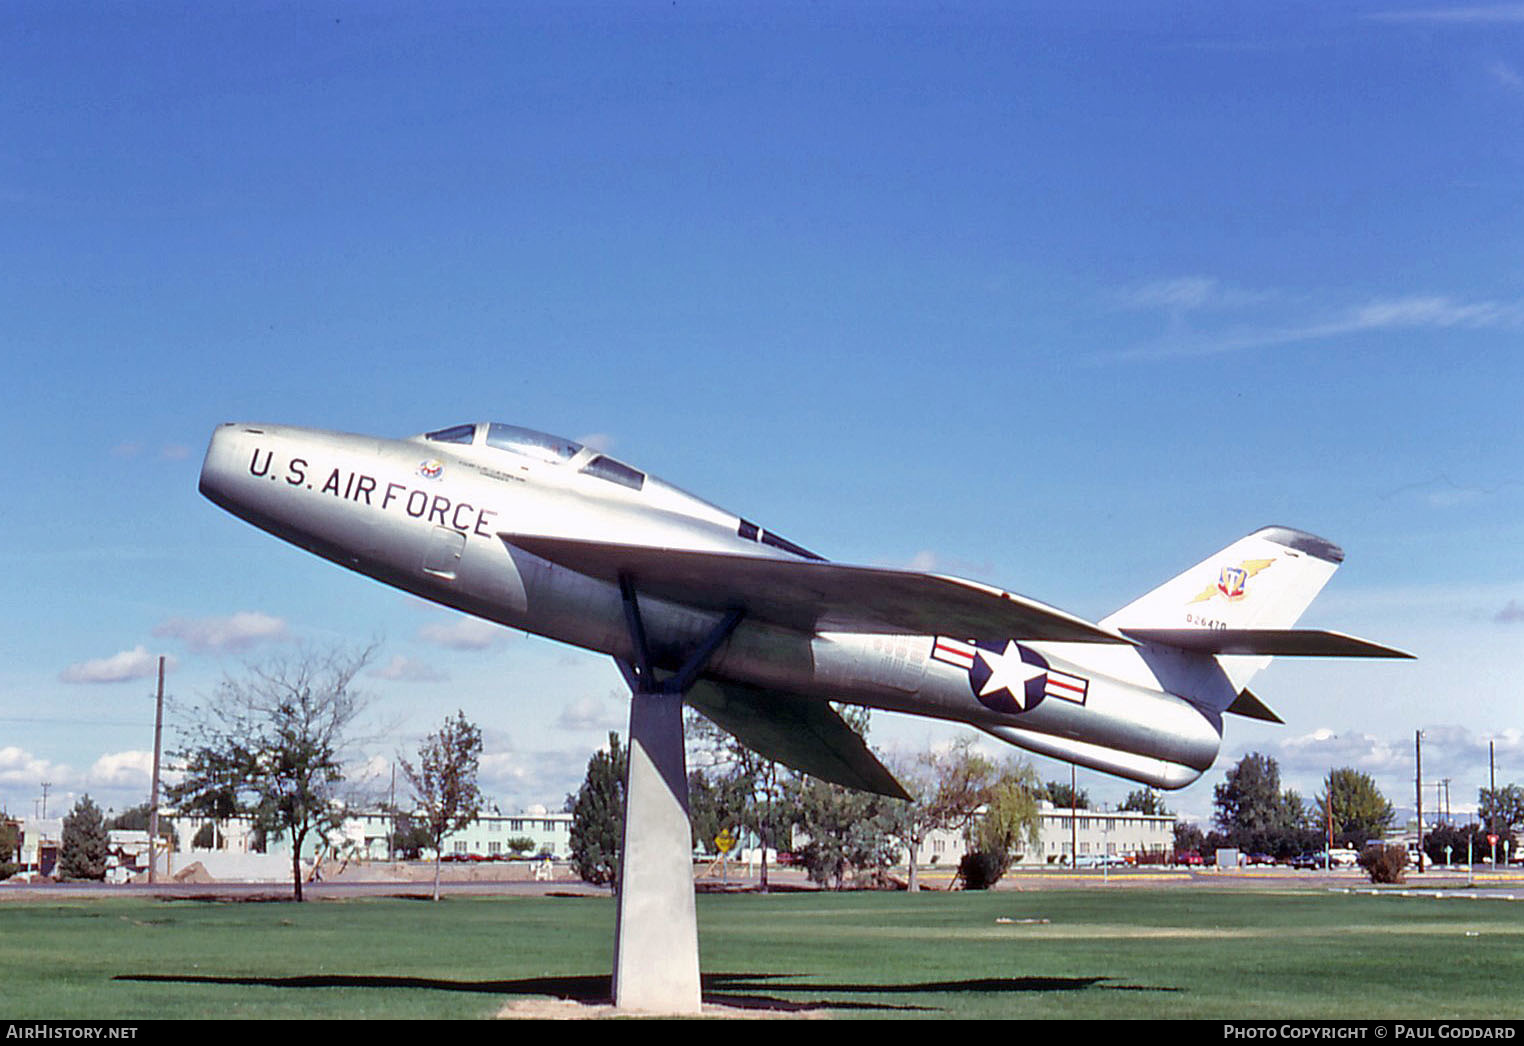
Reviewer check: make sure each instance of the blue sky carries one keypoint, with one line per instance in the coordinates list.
(1062, 300)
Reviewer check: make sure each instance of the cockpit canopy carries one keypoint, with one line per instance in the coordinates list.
(542, 447)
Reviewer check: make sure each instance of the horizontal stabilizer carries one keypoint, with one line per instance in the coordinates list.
(801, 733)
(817, 596)
(1278, 642)
(1251, 707)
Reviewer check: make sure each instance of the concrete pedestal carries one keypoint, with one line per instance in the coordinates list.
(656, 965)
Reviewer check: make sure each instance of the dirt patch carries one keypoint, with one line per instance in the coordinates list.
(571, 1010)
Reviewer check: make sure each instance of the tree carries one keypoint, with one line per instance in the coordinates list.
(848, 830)
(1254, 814)
(946, 788)
(444, 781)
(271, 746)
(1010, 817)
(1356, 807)
(1145, 801)
(1188, 838)
(715, 802)
(740, 788)
(408, 837)
(1465, 842)
(1062, 795)
(83, 848)
(597, 829)
(1501, 809)
(10, 847)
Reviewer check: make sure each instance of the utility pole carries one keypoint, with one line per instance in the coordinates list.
(45, 786)
(1492, 791)
(1418, 789)
(153, 798)
(1328, 820)
(391, 805)
(1073, 817)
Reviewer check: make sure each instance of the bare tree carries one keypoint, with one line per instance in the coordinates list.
(271, 745)
(444, 781)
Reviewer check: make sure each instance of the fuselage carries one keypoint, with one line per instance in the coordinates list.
(425, 515)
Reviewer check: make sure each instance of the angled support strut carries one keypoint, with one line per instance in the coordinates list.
(656, 967)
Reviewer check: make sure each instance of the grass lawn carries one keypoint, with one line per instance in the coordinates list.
(1122, 952)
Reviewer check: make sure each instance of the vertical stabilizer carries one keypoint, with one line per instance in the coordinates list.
(1263, 581)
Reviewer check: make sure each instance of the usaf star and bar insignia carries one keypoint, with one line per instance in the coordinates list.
(1008, 677)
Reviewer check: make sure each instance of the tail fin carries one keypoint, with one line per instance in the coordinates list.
(1256, 587)
(1265, 580)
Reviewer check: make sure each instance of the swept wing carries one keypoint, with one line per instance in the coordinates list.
(805, 734)
(818, 596)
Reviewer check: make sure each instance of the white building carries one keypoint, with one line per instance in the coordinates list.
(501, 835)
(365, 834)
(1062, 833)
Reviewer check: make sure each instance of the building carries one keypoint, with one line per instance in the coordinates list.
(1094, 835)
(528, 834)
(366, 835)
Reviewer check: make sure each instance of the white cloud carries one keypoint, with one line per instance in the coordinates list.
(218, 634)
(1182, 294)
(122, 770)
(591, 713)
(406, 670)
(464, 633)
(20, 767)
(514, 780)
(1409, 312)
(128, 665)
(1450, 752)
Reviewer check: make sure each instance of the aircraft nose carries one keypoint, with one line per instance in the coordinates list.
(216, 467)
(225, 464)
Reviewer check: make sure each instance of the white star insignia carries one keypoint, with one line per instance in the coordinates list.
(1009, 672)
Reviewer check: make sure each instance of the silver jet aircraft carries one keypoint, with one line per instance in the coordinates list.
(544, 534)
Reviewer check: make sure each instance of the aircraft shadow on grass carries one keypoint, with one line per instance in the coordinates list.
(738, 990)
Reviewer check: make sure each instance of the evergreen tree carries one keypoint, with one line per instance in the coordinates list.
(1063, 795)
(597, 829)
(1356, 806)
(82, 854)
(1144, 801)
(1254, 814)
(10, 846)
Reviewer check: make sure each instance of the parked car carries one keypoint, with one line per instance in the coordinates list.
(1310, 860)
(1189, 857)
